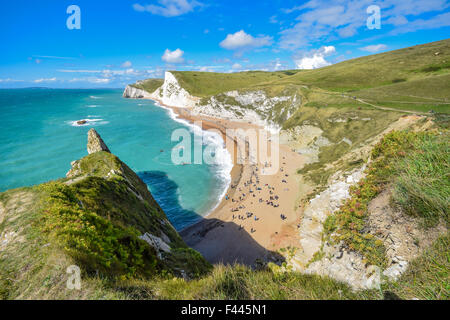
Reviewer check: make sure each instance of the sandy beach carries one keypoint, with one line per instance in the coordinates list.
(259, 214)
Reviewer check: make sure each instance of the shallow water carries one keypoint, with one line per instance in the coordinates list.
(39, 138)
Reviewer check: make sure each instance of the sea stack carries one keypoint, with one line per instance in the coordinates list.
(95, 142)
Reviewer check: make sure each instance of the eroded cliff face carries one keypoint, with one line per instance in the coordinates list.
(131, 204)
(251, 106)
(135, 93)
(172, 94)
(247, 106)
(316, 255)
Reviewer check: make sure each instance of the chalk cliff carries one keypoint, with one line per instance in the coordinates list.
(253, 106)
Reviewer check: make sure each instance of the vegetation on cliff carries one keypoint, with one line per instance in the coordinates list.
(149, 85)
(414, 78)
(94, 219)
(416, 166)
(97, 216)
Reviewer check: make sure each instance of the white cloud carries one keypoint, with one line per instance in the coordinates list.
(99, 80)
(374, 48)
(397, 20)
(91, 80)
(44, 80)
(78, 71)
(315, 59)
(236, 66)
(169, 8)
(206, 69)
(273, 19)
(175, 56)
(54, 57)
(242, 40)
(439, 21)
(10, 80)
(126, 64)
(326, 20)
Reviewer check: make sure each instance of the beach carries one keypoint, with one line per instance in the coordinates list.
(259, 214)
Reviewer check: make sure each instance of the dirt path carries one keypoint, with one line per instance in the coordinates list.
(370, 104)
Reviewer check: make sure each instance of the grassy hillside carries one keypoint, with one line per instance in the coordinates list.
(149, 85)
(205, 84)
(94, 220)
(413, 79)
(381, 69)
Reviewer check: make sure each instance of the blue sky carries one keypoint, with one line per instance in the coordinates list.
(122, 41)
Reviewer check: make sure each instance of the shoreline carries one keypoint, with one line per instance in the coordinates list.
(258, 218)
(207, 124)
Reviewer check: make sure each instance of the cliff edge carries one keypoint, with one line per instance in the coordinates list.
(101, 220)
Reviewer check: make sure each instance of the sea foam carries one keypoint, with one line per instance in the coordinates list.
(223, 163)
(89, 122)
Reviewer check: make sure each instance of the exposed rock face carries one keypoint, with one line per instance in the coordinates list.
(157, 243)
(172, 94)
(129, 196)
(95, 142)
(135, 93)
(305, 140)
(251, 106)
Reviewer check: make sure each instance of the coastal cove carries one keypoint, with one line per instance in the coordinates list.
(41, 137)
(228, 234)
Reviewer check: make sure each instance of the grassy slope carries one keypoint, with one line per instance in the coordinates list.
(39, 261)
(416, 166)
(40, 258)
(93, 222)
(413, 79)
(149, 85)
(381, 69)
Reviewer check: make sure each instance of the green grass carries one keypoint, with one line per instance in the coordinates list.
(149, 85)
(422, 180)
(416, 165)
(423, 95)
(413, 79)
(378, 70)
(356, 130)
(241, 283)
(35, 268)
(205, 84)
(428, 276)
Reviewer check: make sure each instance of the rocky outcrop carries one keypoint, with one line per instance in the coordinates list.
(172, 94)
(95, 142)
(135, 93)
(305, 140)
(128, 202)
(251, 106)
(248, 106)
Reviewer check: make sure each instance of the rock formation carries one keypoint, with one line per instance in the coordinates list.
(95, 142)
(135, 93)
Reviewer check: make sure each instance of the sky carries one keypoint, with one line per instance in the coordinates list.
(109, 44)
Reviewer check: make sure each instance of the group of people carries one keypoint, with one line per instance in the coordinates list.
(252, 188)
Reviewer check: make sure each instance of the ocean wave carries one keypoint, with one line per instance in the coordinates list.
(223, 163)
(94, 97)
(93, 106)
(87, 122)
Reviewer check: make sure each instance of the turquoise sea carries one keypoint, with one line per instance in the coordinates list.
(39, 138)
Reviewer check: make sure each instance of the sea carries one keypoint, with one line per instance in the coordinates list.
(40, 137)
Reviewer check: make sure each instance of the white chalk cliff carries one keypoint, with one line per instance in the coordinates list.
(248, 106)
(172, 94)
(135, 93)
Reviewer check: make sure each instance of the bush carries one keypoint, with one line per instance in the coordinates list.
(93, 241)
